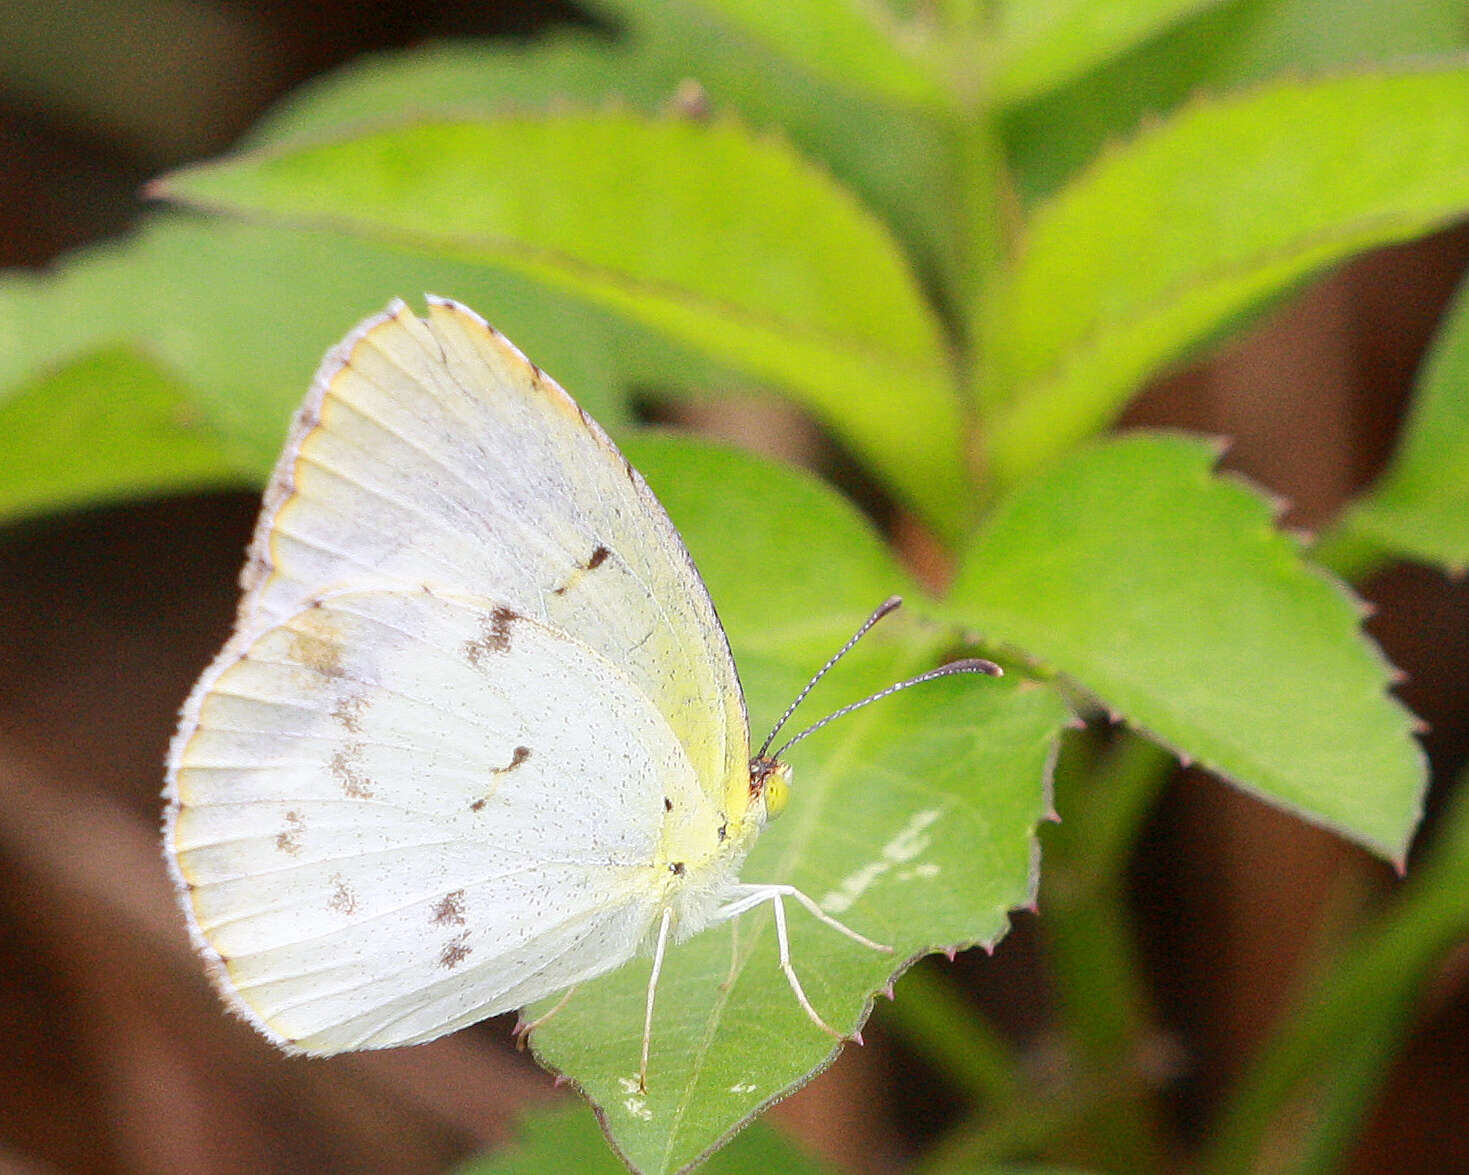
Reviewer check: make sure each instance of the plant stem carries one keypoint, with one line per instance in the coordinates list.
(1328, 1059)
(1102, 996)
(951, 1034)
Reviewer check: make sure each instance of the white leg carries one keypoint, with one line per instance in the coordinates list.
(822, 916)
(652, 988)
(753, 895)
(783, 945)
(747, 897)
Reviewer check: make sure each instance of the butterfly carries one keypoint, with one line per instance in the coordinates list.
(478, 736)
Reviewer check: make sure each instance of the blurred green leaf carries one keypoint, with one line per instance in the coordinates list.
(567, 1139)
(109, 426)
(1197, 221)
(724, 242)
(1222, 48)
(1042, 43)
(568, 66)
(1166, 591)
(1419, 508)
(858, 46)
(239, 316)
(913, 823)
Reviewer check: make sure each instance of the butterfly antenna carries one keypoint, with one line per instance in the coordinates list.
(967, 665)
(891, 604)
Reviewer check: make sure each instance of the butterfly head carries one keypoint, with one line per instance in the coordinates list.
(770, 776)
(771, 779)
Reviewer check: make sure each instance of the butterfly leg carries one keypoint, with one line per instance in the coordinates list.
(748, 897)
(524, 1029)
(822, 916)
(783, 944)
(652, 988)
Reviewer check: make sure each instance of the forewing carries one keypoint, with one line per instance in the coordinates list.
(433, 452)
(395, 813)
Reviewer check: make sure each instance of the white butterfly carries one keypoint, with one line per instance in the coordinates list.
(478, 735)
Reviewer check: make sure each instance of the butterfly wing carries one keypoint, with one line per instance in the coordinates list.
(431, 451)
(396, 813)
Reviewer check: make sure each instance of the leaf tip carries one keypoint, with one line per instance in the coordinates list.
(155, 189)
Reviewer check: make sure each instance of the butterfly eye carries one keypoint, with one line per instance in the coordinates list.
(777, 790)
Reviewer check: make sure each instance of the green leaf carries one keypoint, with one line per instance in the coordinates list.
(1222, 48)
(1227, 204)
(723, 242)
(1041, 43)
(239, 316)
(567, 1139)
(894, 157)
(1419, 508)
(1166, 592)
(858, 46)
(913, 822)
(109, 426)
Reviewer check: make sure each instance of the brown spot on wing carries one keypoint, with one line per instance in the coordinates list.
(517, 757)
(600, 554)
(448, 910)
(343, 899)
(346, 767)
(494, 635)
(288, 840)
(455, 951)
(348, 712)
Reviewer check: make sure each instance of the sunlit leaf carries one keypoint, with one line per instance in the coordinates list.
(1165, 590)
(721, 241)
(1225, 205)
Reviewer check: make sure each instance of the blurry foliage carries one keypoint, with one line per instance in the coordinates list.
(962, 236)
